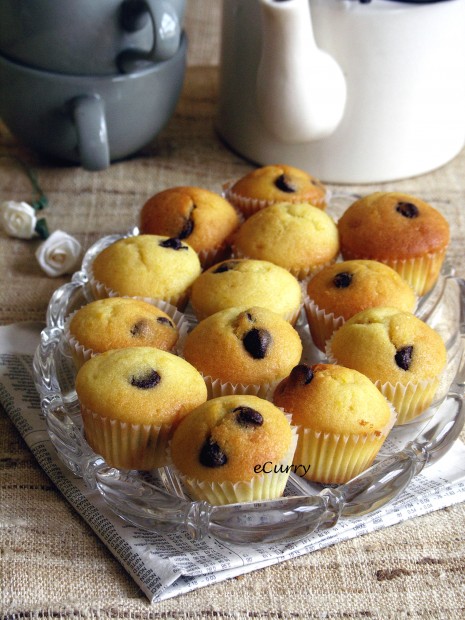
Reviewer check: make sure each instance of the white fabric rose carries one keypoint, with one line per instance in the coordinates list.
(18, 219)
(58, 254)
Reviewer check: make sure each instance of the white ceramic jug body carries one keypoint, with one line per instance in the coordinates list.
(404, 66)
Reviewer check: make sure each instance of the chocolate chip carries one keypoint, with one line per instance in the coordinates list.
(164, 321)
(403, 357)
(186, 229)
(302, 374)
(342, 279)
(174, 243)
(246, 416)
(139, 329)
(256, 342)
(227, 266)
(211, 454)
(145, 381)
(407, 209)
(285, 185)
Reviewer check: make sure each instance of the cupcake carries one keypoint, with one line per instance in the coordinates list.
(402, 355)
(271, 184)
(119, 322)
(246, 282)
(242, 351)
(145, 266)
(296, 236)
(400, 230)
(234, 449)
(131, 400)
(202, 218)
(339, 291)
(342, 421)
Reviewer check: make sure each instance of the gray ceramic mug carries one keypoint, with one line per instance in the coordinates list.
(89, 120)
(90, 37)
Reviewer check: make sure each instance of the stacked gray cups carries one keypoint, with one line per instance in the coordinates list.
(89, 81)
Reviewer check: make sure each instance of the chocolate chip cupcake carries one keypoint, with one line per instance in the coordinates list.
(120, 322)
(131, 400)
(242, 351)
(204, 219)
(342, 421)
(296, 236)
(277, 183)
(246, 282)
(339, 291)
(400, 230)
(401, 354)
(151, 267)
(234, 449)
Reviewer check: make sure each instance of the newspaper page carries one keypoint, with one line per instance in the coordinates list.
(165, 566)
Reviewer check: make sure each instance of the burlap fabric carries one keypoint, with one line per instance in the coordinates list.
(51, 563)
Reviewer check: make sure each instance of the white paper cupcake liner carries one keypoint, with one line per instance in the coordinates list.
(124, 445)
(322, 325)
(249, 206)
(101, 291)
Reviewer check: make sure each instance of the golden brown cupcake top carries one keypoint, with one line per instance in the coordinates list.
(152, 266)
(389, 345)
(296, 236)
(243, 346)
(227, 438)
(117, 322)
(348, 287)
(141, 385)
(386, 225)
(246, 282)
(332, 399)
(279, 183)
(201, 217)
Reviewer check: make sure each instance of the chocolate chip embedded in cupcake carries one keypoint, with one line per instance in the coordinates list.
(234, 449)
(275, 183)
(342, 421)
(246, 282)
(401, 354)
(119, 322)
(400, 230)
(242, 351)
(145, 266)
(339, 291)
(131, 400)
(202, 218)
(296, 236)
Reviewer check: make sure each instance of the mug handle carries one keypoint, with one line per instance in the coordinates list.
(88, 112)
(166, 32)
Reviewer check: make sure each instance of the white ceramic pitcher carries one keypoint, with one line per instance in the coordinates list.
(352, 91)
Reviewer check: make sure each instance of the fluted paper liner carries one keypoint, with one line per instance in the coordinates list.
(322, 325)
(420, 272)
(101, 291)
(301, 273)
(124, 445)
(248, 206)
(260, 487)
(334, 458)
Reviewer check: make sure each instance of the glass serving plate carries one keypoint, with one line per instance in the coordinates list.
(156, 500)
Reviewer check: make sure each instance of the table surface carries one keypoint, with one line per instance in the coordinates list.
(51, 563)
